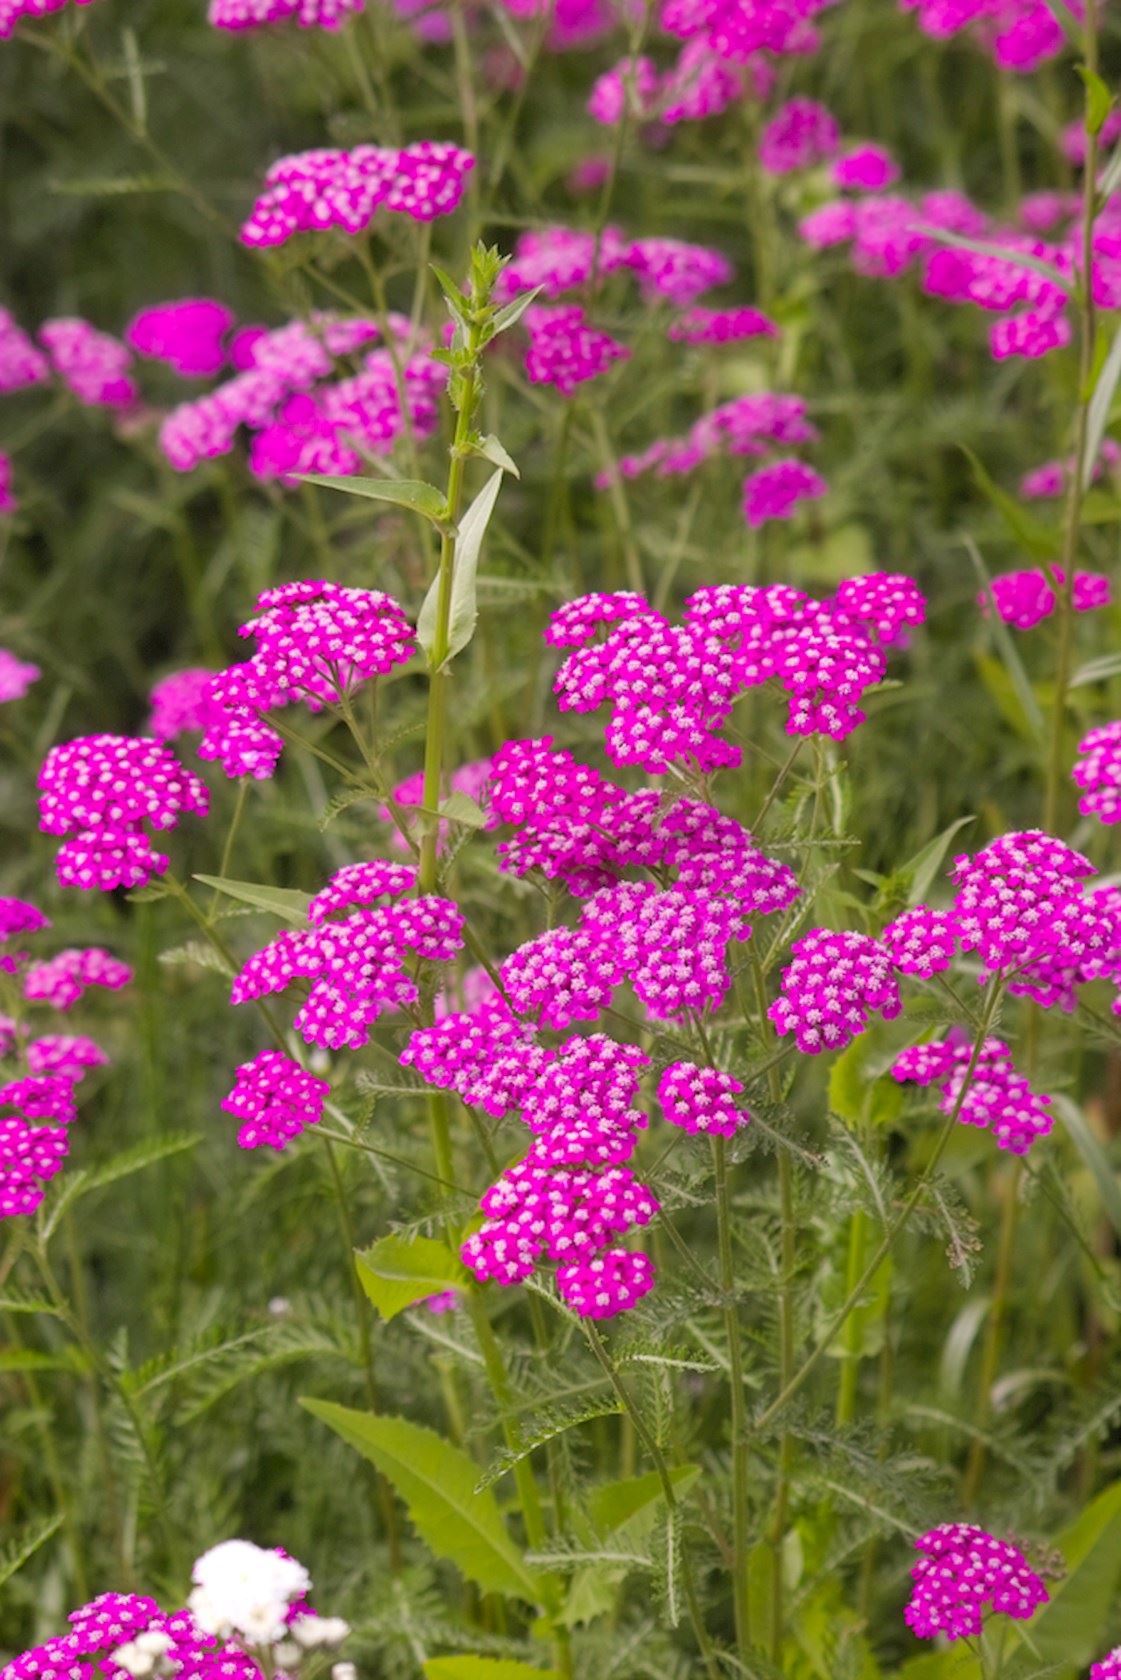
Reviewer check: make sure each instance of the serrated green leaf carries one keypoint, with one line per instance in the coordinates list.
(437, 1482)
(18, 1301)
(461, 808)
(1099, 100)
(128, 1161)
(411, 493)
(284, 902)
(24, 1544)
(198, 953)
(484, 1668)
(399, 1271)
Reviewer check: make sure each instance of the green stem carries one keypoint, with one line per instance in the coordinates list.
(850, 1362)
(994, 1329)
(741, 1444)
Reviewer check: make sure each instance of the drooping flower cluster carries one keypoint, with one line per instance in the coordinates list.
(93, 365)
(275, 1099)
(1025, 599)
(570, 1197)
(238, 15)
(311, 192)
(994, 1096)
(16, 675)
(565, 350)
(186, 334)
(245, 1601)
(834, 983)
(963, 1573)
(315, 642)
(301, 415)
(355, 968)
(13, 12)
(104, 792)
(1098, 773)
(1020, 34)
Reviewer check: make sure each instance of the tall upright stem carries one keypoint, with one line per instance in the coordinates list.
(741, 1598)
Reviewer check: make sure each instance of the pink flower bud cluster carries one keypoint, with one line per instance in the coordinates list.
(311, 192)
(701, 1099)
(571, 1196)
(275, 1100)
(800, 134)
(835, 982)
(1098, 773)
(91, 364)
(1020, 34)
(315, 641)
(737, 30)
(776, 490)
(744, 426)
(564, 350)
(699, 85)
(720, 326)
(66, 1055)
(100, 1629)
(13, 12)
(17, 916)
(355, 967)
(16, 675)
(630, 88)
(62, 980)
(186, 334)
(1025, 599)
(21, 364)
(34, 1142)
(238, 15)
(103, 791)
(995, 1097)
(962, 1573)
(866, 169)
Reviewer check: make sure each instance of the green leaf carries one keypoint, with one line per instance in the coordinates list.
(1097, 670)
(285, 902)
(28, 1359)
(1097, 412)
(925, 864)
(1099, 100)
(122, 1165)
(24, 1544)
(399, 1271)
(511, 313)
(19, 1301)
(463, 612)
(614, 1503)
(855, 1096)
(461, 808)
(496, 453)
(411, 493)
(484, 1668)
(1068, 1630)
(437, 1482)
(1094, 1157)
(1032, 534)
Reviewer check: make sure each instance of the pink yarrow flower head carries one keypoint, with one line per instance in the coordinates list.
(186, 334)
(801, 134)
(721, 326)
(21, 364)
(93, 365)
(701, 1099)
(776, 490)
(275, 1099)
(964, 1573)
(564, 351)
(104, 792)
(701, 84)
(315, 642)
(1025, 599)
(1109, 1668)
(16, 675)
(357, 966)
(13, 12)
(18, 917)
(1098, 773)
(674, 269)
(868, 168)
(62, 980)
(239, 15)
(312, 192)
(64, 1055)
(34, 1115)
(994, 1096)
(471, 779)
(832, 986)
(629, 89)
(738, 30)
(921, 941)
(181, 703)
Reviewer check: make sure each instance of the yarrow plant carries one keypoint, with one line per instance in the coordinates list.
(576, 1086)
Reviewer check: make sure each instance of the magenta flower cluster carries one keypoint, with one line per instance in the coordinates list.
(963, 1573)
(1020, 34)
(559, 260)
(237, 15)
(13, 12)
(1098, 773)
(100, 1628)
(1025, 599)
(565, 350)
(103, 792)
(833, 984)
(312, 192)
(275, 1099)
(355, 967)
(996, 1097)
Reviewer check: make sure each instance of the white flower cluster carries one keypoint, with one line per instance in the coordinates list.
(241, 1589)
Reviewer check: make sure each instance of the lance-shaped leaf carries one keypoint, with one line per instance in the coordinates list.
(399, 1271)
(285, 902)
(411, 493)
(464, 612)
